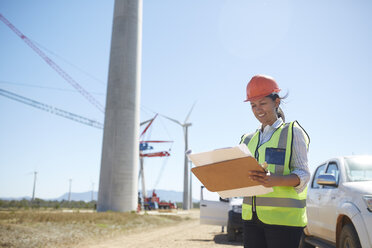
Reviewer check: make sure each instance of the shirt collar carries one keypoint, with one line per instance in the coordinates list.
(275, 125)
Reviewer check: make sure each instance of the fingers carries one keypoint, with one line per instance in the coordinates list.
(262, 181)
(260, 177)
(256, 173)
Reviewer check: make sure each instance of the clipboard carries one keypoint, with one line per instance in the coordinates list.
(225, 171)
(227, 175)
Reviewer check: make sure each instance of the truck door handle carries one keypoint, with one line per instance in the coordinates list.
(203, 205)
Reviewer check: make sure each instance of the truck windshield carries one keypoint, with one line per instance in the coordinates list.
(359, 168)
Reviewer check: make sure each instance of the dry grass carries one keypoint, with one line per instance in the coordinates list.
(34, 228)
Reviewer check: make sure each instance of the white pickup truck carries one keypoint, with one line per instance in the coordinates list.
(339, 204)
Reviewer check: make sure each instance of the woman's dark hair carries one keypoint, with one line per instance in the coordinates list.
(279, 111)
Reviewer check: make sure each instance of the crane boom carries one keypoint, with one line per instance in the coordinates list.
(52, 64)
(51, 109)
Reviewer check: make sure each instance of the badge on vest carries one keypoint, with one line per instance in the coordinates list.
(275, 156)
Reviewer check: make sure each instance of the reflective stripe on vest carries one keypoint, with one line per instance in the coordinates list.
(279, 169)
(248, 138)
(276, 202)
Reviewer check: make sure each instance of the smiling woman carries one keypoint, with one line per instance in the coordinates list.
(283, 146)
(262, 92)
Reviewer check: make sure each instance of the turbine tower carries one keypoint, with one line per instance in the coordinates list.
(119, 164)
(33, 190)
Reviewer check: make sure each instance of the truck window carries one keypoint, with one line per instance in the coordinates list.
(359, 168)
(319, 170)
(333, 169)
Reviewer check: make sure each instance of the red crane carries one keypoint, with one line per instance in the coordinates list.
(145, 142)
(144, 146)
(52, 64)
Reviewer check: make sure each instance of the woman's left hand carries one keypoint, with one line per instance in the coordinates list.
(265, 179)
(269, 180)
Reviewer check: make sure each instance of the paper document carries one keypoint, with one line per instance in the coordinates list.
(225, 171)
(219, 155)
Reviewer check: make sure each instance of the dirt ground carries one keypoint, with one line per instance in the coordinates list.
(186, 234)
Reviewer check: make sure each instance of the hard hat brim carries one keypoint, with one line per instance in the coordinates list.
(261, 96)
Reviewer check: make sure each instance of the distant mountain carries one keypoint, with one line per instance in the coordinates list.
(164, 195)
(84, 196)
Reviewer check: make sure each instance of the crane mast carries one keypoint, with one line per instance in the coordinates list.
(51, 109)
(52, 64)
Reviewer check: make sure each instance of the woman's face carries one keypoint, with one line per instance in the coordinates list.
(265, 110)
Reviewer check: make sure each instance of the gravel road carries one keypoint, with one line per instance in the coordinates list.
(187, 234)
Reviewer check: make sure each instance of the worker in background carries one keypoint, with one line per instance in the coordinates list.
(275, 219)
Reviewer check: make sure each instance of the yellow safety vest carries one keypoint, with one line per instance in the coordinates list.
(283, 206)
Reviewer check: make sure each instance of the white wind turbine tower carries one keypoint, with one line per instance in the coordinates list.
(186, 190)
(33, 191)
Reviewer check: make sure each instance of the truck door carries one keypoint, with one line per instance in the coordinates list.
(314, 195)
(213, 212)
(328, 204)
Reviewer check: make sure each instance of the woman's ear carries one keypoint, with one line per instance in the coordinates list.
(277, 102)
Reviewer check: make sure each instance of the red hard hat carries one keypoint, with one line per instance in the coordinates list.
(261, 86)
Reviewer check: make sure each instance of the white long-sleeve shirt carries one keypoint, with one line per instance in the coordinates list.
(298, 164)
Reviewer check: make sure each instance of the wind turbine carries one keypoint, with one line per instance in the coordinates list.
(185, 125)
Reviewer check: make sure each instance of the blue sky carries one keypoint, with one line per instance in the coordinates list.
(193, 51)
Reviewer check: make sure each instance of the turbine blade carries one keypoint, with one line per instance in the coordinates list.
(188, 115)
(179, 123)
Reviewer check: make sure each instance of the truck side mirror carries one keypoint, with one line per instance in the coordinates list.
(326, 179)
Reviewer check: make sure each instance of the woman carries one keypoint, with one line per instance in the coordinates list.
(275, 219)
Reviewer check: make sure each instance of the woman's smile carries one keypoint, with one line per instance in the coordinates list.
(265, 110)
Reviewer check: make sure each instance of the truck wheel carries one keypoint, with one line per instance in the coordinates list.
(349, 237)
(231, 233)
(303, 243)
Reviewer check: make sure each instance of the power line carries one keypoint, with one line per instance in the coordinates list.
(143, 108)
(43, 87)
(51, 109)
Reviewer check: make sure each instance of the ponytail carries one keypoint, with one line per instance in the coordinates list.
(279, 111)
